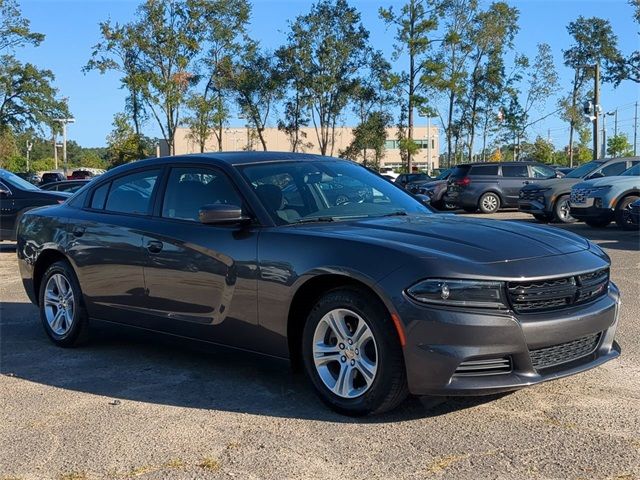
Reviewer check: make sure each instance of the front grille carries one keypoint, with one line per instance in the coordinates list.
(486, 366)
(565, 352)
(579, 195)
(557, 293)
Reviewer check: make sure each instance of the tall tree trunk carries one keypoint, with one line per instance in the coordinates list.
(448, 130)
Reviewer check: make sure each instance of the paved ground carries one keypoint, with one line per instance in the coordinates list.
(128, 406)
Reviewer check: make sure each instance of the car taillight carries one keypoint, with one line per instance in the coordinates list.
(463, 181)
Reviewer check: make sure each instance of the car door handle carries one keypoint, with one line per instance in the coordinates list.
(154, 246)
(78, 231)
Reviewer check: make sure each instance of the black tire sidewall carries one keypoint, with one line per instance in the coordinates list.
(619, 212)
(79, 316)
(388, 347)
(487, 194)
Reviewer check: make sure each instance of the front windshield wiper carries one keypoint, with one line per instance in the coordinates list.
(315, 220)
(398, 213)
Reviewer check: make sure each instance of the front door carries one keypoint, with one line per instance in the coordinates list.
(200, 279)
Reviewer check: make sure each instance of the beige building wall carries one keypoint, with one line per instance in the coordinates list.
(237, 139)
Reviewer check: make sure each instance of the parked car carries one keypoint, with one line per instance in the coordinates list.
(373, 299)
(434, 189)
(17, 196)
(406, 178)
(31, 177)
(564, 170)
(388, 172)
(600, 201)
(81, 175)
(50, 177)
(69, 186)
(635, 213)
(491, 186)
(548, 200)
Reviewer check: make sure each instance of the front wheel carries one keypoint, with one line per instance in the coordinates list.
(561, 210)
(61, 308)
(352, 353)
(623, 213)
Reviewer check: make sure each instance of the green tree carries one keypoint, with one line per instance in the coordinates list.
(619, 146)
(27, 97)
(414, 24)
(256, 85)
(492, 33)
(625, 68)
(332, 48)
(369, 136)
(594, 42)
(226, 40)
(122, 142)
(541, 150)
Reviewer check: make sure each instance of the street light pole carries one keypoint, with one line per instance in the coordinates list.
(596, 104)
(64, 122)
(29, 147)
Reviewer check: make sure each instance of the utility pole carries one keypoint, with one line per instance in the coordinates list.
(429, 165)
(635, 132)
(596, 106)
(29, 147)
(604, 136)
(64, 122)
(55, 150)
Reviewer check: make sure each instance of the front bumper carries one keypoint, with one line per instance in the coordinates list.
(440, 341)
(590, 212)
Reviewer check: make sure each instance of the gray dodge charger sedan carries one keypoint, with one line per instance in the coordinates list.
(375, 298)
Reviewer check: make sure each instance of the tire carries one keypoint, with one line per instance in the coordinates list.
(489, 203)
(622, 214)
(561, 210)
(355, 313)
(541, 217)
(598, 222)
(72, 327)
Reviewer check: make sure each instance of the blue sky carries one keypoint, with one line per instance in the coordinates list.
(71, 29)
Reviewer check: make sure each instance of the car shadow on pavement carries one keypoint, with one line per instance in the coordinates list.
(7, 246)
(128, 365)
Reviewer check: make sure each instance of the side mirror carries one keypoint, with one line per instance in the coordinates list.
(221, 215)
(423, 199)
(558, 175)
(596, 175)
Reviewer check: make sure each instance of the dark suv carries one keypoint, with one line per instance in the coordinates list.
(548, 200)
(490, 186)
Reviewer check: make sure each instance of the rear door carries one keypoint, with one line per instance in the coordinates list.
(200, 279)
(106, 245)
(514, 177)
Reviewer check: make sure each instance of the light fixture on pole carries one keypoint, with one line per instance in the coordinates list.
(29, 147)
(64, 122)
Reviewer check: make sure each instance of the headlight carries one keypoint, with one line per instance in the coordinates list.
(462, 293)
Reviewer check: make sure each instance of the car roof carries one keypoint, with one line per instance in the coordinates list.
(523, 162)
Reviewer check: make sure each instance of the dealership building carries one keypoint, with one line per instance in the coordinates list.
(241, 138)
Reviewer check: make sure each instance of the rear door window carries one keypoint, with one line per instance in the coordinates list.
(515, 171)
(484, 170)
(132, 193)
(100, 196)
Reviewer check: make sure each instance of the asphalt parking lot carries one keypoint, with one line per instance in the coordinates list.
(134, 406)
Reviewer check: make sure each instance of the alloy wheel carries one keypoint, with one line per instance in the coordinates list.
(563, 210)
(59, 304)
(345, 353)
(490, 203)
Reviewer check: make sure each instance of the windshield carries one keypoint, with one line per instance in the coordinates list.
(633, 171)
(297, 192)
(16, 181)
(583, 170)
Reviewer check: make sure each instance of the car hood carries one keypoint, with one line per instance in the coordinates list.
(433, 183)
(558, 183)
(460, 238)
(601, 182)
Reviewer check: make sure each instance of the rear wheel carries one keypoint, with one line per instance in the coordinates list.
(623, 213)
(489, 203)
(561, 210)
(598, 222)
(352, 353)
(61, 308)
